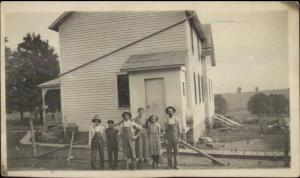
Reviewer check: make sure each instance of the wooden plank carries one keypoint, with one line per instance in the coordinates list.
(204, 154)
(70, 151)
(229, 120)
(32, 138)
(60, 148)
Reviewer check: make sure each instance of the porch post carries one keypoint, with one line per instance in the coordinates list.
(44, 92)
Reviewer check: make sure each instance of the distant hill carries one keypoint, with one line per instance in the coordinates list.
(237, 102)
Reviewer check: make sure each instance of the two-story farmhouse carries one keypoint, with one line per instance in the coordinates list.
(112, 62)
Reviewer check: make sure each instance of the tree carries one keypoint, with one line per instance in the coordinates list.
(33, 63)
(259, 104)
(256, 89)
(220, 104)
(280, 104)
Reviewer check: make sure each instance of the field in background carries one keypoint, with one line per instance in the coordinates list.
(237, 103)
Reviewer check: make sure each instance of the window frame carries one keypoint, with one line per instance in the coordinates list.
(195, 88)
(127, 105)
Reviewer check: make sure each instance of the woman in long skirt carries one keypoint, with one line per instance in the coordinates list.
(153, 130)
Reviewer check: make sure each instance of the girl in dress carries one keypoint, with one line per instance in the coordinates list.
(153, 130)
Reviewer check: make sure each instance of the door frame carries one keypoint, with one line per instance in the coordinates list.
(163, 88)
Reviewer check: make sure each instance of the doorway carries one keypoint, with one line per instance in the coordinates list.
(155, 98)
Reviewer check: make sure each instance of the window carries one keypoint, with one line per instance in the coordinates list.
(195, 87)
(202, 88)
(183, 89)
(209, 92)
(123, 90)
(199, 52)
(199, 90)
(192, 38)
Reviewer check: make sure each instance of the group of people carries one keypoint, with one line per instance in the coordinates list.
(139, 138)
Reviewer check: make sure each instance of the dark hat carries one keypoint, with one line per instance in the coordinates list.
(140, 109)
(110, 122)
(96, 119)
(126, 113)
(169, 108)
(152, 117)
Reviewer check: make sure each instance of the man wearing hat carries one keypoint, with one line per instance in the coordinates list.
(172, 135)
(97, 141)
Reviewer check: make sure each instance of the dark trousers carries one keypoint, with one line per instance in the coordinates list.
(97, 146)
(172, 151)
(112, 157)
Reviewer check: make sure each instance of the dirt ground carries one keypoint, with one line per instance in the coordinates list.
(249, 138)
(20, 157)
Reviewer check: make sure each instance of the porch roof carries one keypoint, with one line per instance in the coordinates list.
(51, 83)
(155, 60)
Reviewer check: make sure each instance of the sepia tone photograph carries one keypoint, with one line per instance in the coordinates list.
(122, 88)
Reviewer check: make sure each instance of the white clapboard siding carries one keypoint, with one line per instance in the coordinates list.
(87, 35)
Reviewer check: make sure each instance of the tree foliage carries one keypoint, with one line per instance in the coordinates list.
(220, 104)
(260, 104)
(33, 63)
(280, 104)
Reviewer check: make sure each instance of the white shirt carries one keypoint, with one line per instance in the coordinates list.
(173, 120)
(132, 124)
(94, 129)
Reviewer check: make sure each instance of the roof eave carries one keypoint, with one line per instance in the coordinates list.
(196, 24)
(152, 68)
(55, 25)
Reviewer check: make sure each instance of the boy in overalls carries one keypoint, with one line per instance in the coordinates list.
(128, 137)
(112, 144)
(96, 140)
(172, 135)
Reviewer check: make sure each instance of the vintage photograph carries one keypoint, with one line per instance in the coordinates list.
(151, 89)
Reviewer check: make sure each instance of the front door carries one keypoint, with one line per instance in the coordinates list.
(155, 98)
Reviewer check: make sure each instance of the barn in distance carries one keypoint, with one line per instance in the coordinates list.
(112, 62)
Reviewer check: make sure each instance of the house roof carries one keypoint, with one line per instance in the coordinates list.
(208, 45)
(155, 60)
(196, 24)
(51, 83)
(194, 20)
(64, 16)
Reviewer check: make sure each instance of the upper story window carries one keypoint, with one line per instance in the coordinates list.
(202, 87)
(199, 51)
(123, 90)
(192, 38)
(183, 88)
(195, 88)
(199, 89)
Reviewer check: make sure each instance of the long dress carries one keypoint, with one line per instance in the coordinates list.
(141, 143)
(154, 139)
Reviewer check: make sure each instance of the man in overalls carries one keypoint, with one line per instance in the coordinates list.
(172, 136)
(128, 137)
(96, 140)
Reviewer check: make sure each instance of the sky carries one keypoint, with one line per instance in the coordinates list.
(251, 47)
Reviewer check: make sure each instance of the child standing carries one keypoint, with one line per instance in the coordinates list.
(112, 144)
(153, 129)
(96, 140)
(128, 138)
